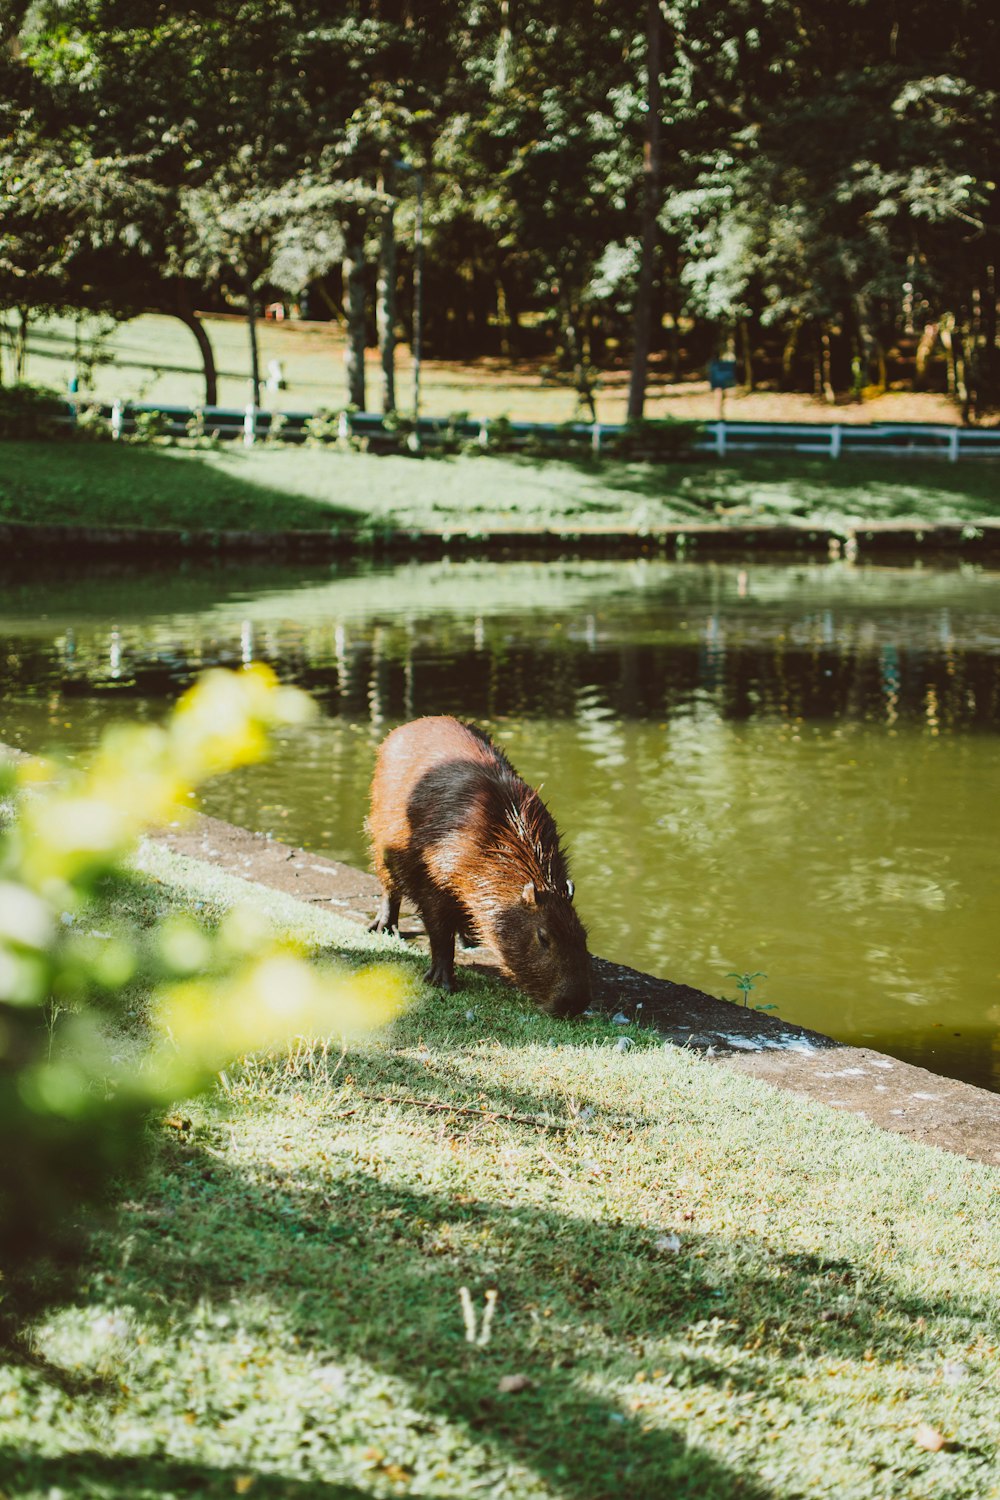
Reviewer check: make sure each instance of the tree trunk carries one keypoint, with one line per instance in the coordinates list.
(332, 306)
(354, 311)
(824, 368)
(873, 367)
(643, 313)
(21, 346)
(508, 312)
(385, 293)
(925, 347)
(251, 297)
(747, 354)
(989, 307)
(951, 338)
(417, 341)
(190, 319)
(582, 376)
(503, 64)
(788, 354)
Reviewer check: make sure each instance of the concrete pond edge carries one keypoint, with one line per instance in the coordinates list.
(872, 542)
(894, 1095)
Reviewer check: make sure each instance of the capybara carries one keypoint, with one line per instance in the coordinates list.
(454, 828)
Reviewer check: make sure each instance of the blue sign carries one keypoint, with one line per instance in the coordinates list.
(722, 374)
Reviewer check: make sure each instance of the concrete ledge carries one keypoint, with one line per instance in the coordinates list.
(894, 1095)
(870, 542)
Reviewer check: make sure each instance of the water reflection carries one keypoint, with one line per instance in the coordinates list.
(787, 770)
(391, 671)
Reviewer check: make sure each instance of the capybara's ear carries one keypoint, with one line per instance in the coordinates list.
(529, 895)
(570, 889)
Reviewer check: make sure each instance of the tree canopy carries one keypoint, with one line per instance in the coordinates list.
(808, 185)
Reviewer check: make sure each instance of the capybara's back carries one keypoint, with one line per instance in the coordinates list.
(454, 828)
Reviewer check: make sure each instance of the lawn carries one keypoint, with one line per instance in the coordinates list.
(154, 358)
(698, 1286)
(279, 488)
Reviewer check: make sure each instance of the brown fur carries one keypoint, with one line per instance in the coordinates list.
(454, 828)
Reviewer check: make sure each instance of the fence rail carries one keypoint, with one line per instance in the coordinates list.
(655, 440)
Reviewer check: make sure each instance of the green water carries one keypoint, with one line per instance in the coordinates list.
(794, 770)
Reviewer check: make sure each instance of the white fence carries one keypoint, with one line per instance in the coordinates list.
(836, 439)
(657, 440)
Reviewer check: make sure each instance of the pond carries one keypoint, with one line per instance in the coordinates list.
(787, 769)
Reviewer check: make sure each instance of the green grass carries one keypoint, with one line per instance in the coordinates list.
(286, 488)
(709, 1288)
(154, 358)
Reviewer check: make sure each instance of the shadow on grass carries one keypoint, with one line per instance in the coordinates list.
(791, 486)
(134, 485)
(358, 1270)
(147, 1477)
(363, 1268)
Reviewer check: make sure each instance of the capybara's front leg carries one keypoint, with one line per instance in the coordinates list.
(441, 931)
(388, 914)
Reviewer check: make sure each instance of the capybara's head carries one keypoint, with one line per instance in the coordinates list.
(543, 946)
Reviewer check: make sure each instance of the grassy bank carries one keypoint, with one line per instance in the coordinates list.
(287, 489)
(703, 1287)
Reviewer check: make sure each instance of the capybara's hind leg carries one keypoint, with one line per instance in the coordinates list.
(388, 914)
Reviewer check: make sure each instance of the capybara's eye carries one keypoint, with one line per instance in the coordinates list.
(543, 937)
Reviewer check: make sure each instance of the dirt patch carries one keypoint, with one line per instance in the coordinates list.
(894, 1095)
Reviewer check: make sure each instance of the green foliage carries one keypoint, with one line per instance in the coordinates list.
(276, 427)
(323, 428)
(150, 427)
(90, 423)
(30, 412)
(666, 438)
(745, 983)
(500, 435)
(828, 181)
(73, 1094)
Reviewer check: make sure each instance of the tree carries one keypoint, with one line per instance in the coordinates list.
(246, 237)
(540, 150)
(843, 150)
(650, 216)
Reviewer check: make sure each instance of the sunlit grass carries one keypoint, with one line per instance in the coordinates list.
(154, 358)
(704, 1287)
(284, 488)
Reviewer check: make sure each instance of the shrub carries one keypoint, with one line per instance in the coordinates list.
(28, 411)
(91, 424)
(71, 1108)
(322, 428)
(662, 438)
(150, 426)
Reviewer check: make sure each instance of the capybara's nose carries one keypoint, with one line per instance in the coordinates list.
(569, 1005)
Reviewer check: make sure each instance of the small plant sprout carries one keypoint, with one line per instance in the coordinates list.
(746, 982)
(480, 1337)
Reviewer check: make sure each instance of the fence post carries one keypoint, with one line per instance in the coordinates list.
(116, 420)
(595, 438)
(343, 427)
(249, 425)
(835, 437)
(720, 439)
(953, 445)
